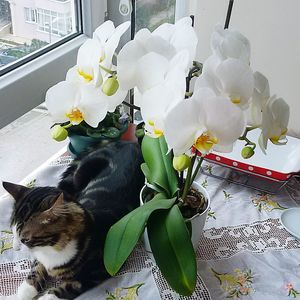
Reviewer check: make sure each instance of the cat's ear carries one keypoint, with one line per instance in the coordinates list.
(59, 202)
(16, 190)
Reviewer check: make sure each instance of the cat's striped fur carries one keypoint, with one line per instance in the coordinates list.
(65, 227)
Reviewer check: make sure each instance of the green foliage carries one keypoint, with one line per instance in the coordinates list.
(123, 235)
(25, 49)
(110, 128)
(159, 169)
(173, 250)
(169, 234)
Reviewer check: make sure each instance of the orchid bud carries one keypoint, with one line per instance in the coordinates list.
(181, 162)
(247, 152)
(59, 133)
(110, 86)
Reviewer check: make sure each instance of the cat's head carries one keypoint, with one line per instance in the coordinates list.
(42, 217)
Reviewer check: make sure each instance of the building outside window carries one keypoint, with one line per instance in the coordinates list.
(26, 26)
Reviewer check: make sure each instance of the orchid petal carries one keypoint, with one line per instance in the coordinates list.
(230, 44)
(207, 81)
(182, 127)
(142, 36)
(275, 117)
(105, 31)
(261, 84)
(260, 96)
(155, 104)
(126, 67)
(165, 31)
(150, 71)
(88, 55)
(159, 45)
(185, 38)
(180, 60)
(113, 42)
(93, 104)
(116, 99)
(60, 98)
(218, 111)
(72, 75)
(210, 64)
(237, 80)
(185, 21)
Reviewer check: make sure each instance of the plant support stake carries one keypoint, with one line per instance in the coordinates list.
(228, 16)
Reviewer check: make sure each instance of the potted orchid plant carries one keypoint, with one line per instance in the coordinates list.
(182, 127)
(86, 106)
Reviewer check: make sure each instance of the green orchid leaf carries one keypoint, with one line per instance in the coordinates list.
(159, 163)
(145, 170)
(123, 235)
(94, 133)
(111, 132)
(173, 250)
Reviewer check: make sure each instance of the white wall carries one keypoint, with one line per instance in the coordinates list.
(273, 28)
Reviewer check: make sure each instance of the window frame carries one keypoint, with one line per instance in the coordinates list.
(24, 83)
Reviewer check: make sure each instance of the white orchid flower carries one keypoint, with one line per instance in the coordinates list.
(87, 69)
(158, 101)
(67, 101)
(232, 79)
(109, 37)
(166, 41)
(275, 118)
(226, 43)
(261, 95)
(230, 43)
(95, 55)
(204, 121)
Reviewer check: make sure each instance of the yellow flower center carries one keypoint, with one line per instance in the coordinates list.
(276, 138)
(157, 132)
(86, 76)
(75, 116)
(205, 142)
(236, 100)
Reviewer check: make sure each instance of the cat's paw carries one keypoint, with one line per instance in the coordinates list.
(26, 291)
(49, 297)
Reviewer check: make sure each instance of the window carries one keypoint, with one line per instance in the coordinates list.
(24, 29)
(151, 14)
(24, 81)
(54, 22)
(30, 15)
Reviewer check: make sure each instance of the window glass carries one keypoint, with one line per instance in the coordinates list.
(26, 26)
(152, 13)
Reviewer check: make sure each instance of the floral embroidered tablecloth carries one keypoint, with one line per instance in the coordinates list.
(244, 252)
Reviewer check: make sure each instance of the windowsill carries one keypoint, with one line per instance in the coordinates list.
(25, 144)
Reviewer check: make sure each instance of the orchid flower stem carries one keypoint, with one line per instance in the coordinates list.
(197, 168)
(107, 70)
(188, 181)
(67, 126)
(194, 71)
(244, 136)
(181, 178)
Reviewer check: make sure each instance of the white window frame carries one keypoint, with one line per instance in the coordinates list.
(24, 87)
(30, 11)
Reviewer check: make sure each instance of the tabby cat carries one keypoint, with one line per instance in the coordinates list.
(65, 227)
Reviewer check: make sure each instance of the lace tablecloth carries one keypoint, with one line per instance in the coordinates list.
(244, 252)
